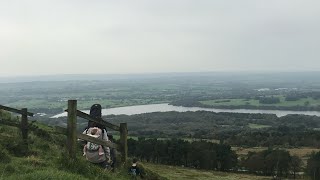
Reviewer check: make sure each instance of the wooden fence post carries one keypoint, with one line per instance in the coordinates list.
(72, 128)
(24, 127)
(123, 142)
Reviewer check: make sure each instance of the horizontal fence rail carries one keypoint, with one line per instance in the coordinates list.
(97, 120)
(16, 110)
(97, 141)
(85, 137)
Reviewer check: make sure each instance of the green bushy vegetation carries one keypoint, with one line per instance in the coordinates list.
(4, 156)
(235, 129)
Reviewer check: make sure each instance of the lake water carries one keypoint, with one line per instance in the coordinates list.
(140, 109)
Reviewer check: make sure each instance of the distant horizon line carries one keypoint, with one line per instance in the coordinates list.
(156, 73)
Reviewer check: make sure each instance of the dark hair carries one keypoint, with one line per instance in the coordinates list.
(134, 160)
(94, 131)
(95, 111)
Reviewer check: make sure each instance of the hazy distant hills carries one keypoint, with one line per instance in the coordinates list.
(218, 76)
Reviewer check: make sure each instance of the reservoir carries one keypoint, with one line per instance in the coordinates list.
(140, 109)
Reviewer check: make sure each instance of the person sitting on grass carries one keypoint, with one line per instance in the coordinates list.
(134, 170)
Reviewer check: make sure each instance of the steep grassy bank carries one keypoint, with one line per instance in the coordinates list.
(46, 157)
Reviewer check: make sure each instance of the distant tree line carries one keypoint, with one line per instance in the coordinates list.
(197, 154)
(294, 96)
(234, 128)
(305, 107)
(276, 163)
(279, 163)
(211, 156)
(267, 101)
(281, 136)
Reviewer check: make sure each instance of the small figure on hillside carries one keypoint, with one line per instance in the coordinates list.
(134, 170)
(96, 133)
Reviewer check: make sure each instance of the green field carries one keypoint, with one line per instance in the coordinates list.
(253, 102)
(258, 126)
(177, 173)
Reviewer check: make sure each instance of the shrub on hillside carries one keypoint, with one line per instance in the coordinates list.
(17, 148)
(80, 166)
(4, 156)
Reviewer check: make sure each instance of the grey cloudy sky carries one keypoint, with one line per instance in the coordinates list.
(143, 36)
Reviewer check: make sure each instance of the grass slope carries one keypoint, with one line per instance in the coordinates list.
(179, 173)
(47, 159)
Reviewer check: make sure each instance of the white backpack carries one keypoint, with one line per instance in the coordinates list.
(92, 146)
(92, 153)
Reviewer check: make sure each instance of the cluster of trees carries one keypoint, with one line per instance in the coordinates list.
(280, 163)
(313, 166)
(270, 162)
(294, 96)
(197, 154)
(290, 137)
(269, 100)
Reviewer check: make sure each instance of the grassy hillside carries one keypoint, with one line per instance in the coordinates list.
(46, 157)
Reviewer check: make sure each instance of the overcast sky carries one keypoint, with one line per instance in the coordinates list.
(151, 36)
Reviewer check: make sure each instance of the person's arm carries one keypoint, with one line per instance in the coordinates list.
(106, 149)
(84, 150)
(105, 135)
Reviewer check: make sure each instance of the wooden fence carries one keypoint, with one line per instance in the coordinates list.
(24, 121)
(71, 131)
(72, 134)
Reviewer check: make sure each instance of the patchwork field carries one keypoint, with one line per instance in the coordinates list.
(253, 102)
